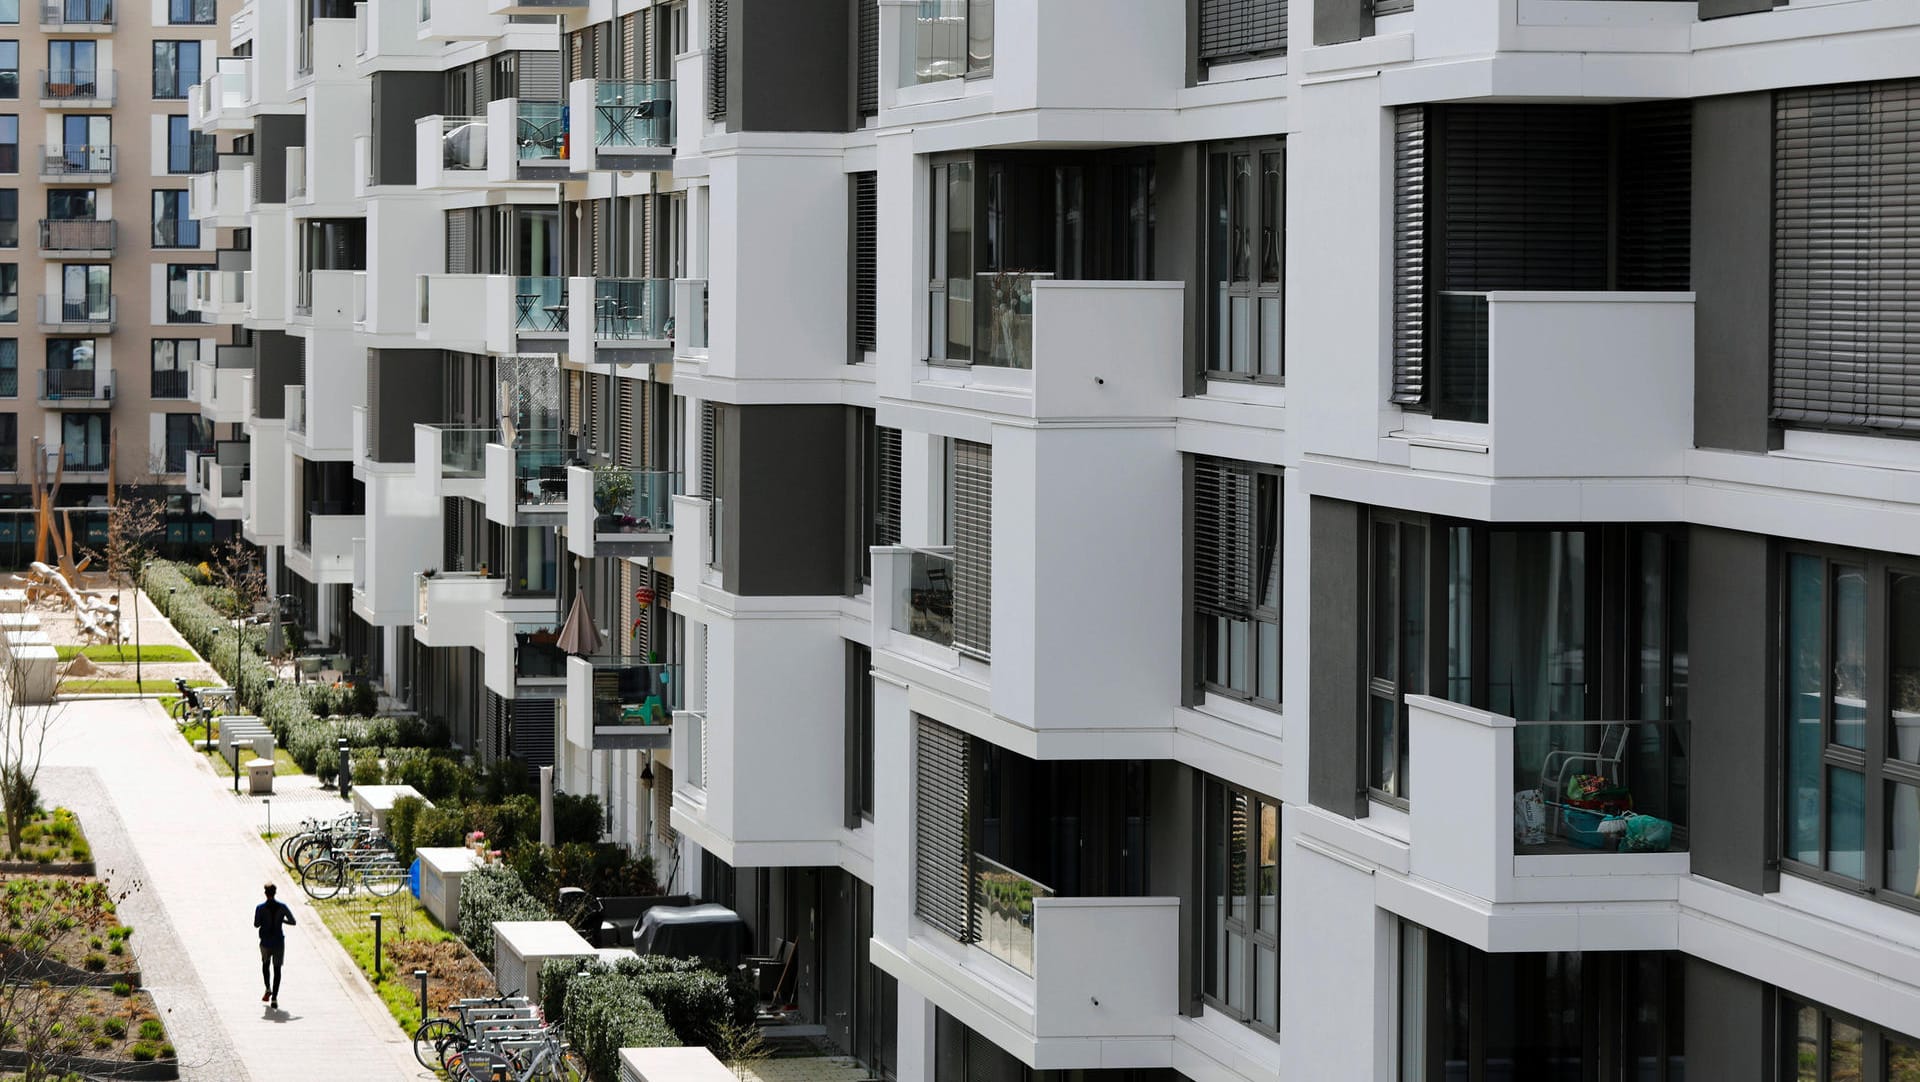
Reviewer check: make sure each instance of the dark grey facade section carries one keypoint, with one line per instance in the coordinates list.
(280, 366)
(1730, 1024)
(404, 388)
(1179, 180)
(1733, 271)
(233, 259)
(1335, 21)
(1714, 9)
(789, 65)
(1733, 673)
(273, 134)
(784, 484)
(1175, 868)
(1337, 625)
(399, 99)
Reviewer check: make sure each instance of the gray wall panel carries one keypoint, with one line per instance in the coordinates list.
(785, 493)
(411, 392)
(1732, 679)
(280, 366)
(1730, 1024)
(1732, 271)
(273, 134)
(399, 99)
(1338, 539)
(790, 66)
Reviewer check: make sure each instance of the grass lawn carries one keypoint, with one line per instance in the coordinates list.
(410, 940)
(117, 654)
(97, 686)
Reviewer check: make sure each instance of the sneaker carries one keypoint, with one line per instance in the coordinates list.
(266, 996)
(276, 1003)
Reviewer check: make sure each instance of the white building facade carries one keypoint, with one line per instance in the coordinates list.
(1046, 477)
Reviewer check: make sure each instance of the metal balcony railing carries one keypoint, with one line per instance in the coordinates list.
(69, 235)
(77, 161)
(71, 13)
(82, 84)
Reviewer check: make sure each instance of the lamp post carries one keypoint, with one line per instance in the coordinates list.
(375, 917)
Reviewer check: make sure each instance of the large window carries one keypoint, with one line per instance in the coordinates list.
(946, 39)
(72, 69)
(9, 442)
(1240, 888)
(9, 367)
(173, 225)
(9, 143)
(1818, 1045)
(1236, 578)
(172, 359)
(9, 292)
(84, 438)
(859, 735)
(187, 152)
(86, 292)
(9, 217)
(192, 12)
(1852, 710)
(176, 68)
(72, 204)
(186, 432)
(178, 310)
(9, 69)
(1246, 260)
(1229, 30)
(9, 12)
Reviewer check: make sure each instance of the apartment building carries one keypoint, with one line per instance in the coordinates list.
(98, 235)
(1011, 495)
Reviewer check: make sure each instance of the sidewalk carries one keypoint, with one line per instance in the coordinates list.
(160, 821)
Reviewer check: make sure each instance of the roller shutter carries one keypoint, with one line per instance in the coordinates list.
(973, 547)
(865, 262)
(867, 89)
(1409, 255)
(717, 60)
(943, 846)
(1222, 538)
(887, 530)
(1237, 29)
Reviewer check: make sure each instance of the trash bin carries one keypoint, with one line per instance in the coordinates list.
(260, 777)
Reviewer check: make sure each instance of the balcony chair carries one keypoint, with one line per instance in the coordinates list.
(1608, 760)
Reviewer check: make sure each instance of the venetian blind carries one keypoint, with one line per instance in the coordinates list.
(717, 60)
(865, 262)
(943, 846)
(887, 515)
(1222, 537)
(1409, 255)
(1237, 29)
(973, 547)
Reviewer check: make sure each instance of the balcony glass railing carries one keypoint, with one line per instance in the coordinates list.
(540, 304)
(536, 650)
(923, 601)
(626, 308)
(690, 324)
(539, 469)
(695, 723)
(626, 692)
(463, 142)
(1600, 786)
(540, 131)
(633, 114)
(1006, 316)
(463, 450)
(1003, 912)
(1461, 349)
(634, 501)
(945, 39)
(423, 584)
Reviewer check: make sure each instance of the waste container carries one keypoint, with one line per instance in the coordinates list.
(260, 777)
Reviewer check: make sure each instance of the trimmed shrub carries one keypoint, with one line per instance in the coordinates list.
(366, 767)
(492, 892)
(693, 999)
(576, 818)
(401, 821)
(439, 827)
(604, 869)
(607, 1011)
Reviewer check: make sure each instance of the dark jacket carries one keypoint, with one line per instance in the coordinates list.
(269, 916)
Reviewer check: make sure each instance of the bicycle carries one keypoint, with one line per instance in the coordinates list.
(379, 872)
(542, 1059)
(444, 1034)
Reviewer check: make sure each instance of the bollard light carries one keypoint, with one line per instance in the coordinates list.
(421, 976)
(376, 944)
(268, 801)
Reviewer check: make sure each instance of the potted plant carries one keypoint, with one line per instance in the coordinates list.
(612, 492)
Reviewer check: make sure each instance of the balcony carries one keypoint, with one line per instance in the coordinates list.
(220, 102)
(451, 460)
(1506, 363)
(327, 299)
(534, 7)
(450, 607)
(457, 20)
(69, 239)
(76, 387)
(621, 704)
(616, 512)
(325, 554)
(620, 126)
(919, 594)
(77, 164)
(76, 89)
(690, 317)
(450, 152)
(526, 484)
(521, 652)
(617, 321)
(218, 295)
(220, 195)
(528, 141)
(76, 16)
(492, 313)
(1505, 829)
(221, 392)
(220, 488)
(80, 315)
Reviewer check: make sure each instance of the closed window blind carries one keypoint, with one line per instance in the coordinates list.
(1222, 537)
(865, 262)
(867, 89)
(973, 547)
(539, 75)
(663, 804)
(532, 731)
(1525, 200)
(1410, 255)
(1846, 272)
(717, 60)
(1391, 7)
(627, 426)
(943, 845)
(887, 530)
(1655, 233)
(1238, 29)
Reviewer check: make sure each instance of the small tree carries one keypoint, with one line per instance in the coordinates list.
(133, 526)
(236, 567)
(24, 726)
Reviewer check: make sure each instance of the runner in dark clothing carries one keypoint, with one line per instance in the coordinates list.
(270, 917)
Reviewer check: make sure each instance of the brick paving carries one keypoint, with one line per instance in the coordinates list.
(160, 821)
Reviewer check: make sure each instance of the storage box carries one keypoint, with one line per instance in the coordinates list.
(1582, 828)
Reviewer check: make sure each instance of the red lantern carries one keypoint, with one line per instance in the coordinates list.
(643, 596)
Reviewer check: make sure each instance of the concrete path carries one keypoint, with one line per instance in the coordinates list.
(162, 824)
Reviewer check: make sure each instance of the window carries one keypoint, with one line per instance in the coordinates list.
(172, 359)
(186, 432)
(1397, 655)
(186, 151)
(9, 69)
(86, 145)
(1852, 806)
(9, 217)
(9, 144)
(191, 12)
(70, 354)
(86, 292)
(1240, 29)
(84, 438)
(9, 442)
(9, 368)
(176, 68)
(173, 225)
(865, 266)
(859, 735)
(10, 12)
(1246, 260)
(948, 39)
(72, 69)
(9, 292)
(178, 310)
(1236, 578)
(1240, 888)
(1819, 1045)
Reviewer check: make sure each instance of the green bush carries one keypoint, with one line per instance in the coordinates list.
(607, 1011)
(366, 767)
(114, 1027)
(576, 818)
(439, 827)
(152, 1030)
(492, 892)
(122, 988)
(142, 1052)
(693, 999)
(555, 975)
(604, 869)
(401, 821)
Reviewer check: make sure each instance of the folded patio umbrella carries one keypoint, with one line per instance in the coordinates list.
(578, 636)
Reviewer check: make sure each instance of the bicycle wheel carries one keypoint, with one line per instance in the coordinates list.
(323, 878)
(288, 845)
(428, 1039)
(384, 880)
(311, 850)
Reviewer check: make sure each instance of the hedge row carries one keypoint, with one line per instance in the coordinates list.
(628, 1005)
(492, 892)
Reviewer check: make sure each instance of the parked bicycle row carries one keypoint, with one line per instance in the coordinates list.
(497, 1039)
(342, 855)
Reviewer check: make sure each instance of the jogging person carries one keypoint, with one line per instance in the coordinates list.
(271, 917)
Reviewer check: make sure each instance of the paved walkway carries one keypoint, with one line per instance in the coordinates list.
(159, 821)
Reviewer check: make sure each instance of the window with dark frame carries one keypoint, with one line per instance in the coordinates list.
(9, 69)
(1240, 890)
(9, 143)
(1237, 555)
(186, 432)
(1821, 1045)
(1397, 655)
(1851, 672)
(9, 217)
(173, 226)
(176, 68)
(1232, 30)
(9, 368)
(865, 264)
(1246, 246)
(9, 292)
(859, 735)
(9, 442)
(192, 12)
(171, 360)
(179, 309)
(865, 456)
(9, 12)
